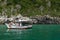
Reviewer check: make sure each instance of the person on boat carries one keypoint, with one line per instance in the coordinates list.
(17, 24)
(11, 23)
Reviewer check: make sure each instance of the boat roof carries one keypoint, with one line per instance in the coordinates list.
(21, 21)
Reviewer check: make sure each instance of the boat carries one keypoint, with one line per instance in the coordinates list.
(18, 24)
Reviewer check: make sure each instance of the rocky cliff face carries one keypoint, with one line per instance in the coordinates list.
(46, 19)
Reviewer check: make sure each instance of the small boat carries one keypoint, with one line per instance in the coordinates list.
(19, 24)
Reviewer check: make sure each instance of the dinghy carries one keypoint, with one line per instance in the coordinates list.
(20, 24)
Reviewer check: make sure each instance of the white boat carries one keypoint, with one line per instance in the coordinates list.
(18, 24)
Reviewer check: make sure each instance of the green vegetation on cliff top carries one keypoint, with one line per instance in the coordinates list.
(30, 7)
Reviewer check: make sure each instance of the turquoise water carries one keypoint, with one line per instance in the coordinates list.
(38, 32)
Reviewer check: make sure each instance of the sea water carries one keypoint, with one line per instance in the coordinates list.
(38, 32)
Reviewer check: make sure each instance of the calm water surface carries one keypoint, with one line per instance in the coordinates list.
(38, 32)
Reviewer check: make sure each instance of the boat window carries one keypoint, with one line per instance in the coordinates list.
(25, 23)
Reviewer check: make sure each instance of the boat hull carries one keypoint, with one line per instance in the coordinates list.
(18, 27)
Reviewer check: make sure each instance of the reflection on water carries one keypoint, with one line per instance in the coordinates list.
(15, 34)
(18, 31)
